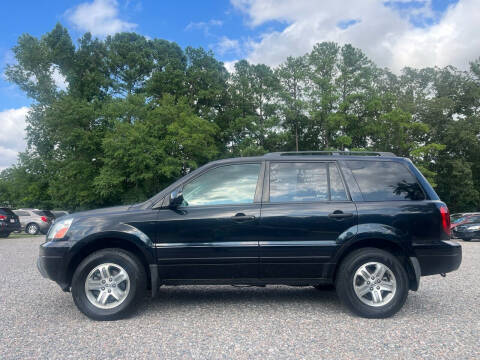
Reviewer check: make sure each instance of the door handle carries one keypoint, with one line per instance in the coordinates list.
(241, 217)
(339, 215)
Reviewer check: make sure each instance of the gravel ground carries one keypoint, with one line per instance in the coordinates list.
(38, 320)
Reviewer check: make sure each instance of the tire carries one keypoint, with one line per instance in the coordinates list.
(128, 291)
(4, 235)
(466, 239)
(32, 229)
(377, 303)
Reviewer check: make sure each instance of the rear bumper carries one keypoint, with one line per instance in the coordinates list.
(438, 258)
(44, 227)
(9, 227)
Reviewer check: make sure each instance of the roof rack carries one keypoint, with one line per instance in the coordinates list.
(332, 152)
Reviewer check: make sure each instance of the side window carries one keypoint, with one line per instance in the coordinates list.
(337, 189)
(230, 184)
(385, 181)
(305, 182)
(21, 213)
(473, 219)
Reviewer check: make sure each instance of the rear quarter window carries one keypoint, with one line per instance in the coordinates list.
(385, 181)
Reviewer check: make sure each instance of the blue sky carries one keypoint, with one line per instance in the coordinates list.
(194, 23)
(393, 33)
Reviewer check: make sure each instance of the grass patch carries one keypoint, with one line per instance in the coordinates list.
(23, 235)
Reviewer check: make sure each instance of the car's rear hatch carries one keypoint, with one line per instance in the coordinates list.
(8, 219)
(46, 215)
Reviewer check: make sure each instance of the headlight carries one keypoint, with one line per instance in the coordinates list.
(474, 228)
(59, 229)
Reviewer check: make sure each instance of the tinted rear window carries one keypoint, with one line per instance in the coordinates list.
(305, 182)
(48, 213)
(6, 211)
(385, 181)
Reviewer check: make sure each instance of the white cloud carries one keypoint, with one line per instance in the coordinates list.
(204, 26)
(385, 33)
(226, 45)
(230, 65)
(57, 77)
(100, 17)
(12, 136)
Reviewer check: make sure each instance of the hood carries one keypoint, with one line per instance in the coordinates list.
(102, 211)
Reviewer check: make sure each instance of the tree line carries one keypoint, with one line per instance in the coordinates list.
(138, 113)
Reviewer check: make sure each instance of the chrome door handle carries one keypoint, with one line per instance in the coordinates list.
(241, 217)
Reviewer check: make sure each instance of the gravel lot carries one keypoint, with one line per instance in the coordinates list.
(38, 320)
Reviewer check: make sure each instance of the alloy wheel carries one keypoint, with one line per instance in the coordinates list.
(32, 229)
(374, 284)
(107, 285)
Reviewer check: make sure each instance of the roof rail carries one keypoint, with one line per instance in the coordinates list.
(332, 152)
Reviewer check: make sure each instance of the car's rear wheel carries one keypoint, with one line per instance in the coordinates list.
(372, 283)
(107, 284)
(32, 229)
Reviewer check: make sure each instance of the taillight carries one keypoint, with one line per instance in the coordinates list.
(445, 219)
(44, 219)
(3, 217)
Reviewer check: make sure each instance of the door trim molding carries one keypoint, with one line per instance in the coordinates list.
(207, 244)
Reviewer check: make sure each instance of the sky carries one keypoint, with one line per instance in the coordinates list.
(393, 33)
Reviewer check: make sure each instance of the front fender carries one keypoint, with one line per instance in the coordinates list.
(85, 237)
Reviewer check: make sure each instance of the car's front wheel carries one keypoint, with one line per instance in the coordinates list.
(372, 283)
(107, 284)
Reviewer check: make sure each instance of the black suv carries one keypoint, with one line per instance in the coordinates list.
(8, 222)
(370, 225)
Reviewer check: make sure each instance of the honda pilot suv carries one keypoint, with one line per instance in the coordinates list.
(370, 224)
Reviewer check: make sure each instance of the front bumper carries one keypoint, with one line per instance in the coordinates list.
(439, 257)
(469, 235)
(52, 262)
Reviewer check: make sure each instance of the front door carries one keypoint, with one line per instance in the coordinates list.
(306, 211)
(213, 234)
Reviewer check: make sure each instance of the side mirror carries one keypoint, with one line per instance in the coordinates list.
(176, 199)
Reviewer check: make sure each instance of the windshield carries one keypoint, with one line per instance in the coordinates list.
(459, 220)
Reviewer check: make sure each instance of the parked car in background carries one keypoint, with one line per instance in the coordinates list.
(464, 218)
(9, 222)
(59, 213)
(370, 225)
(35, 221)
(467, 228)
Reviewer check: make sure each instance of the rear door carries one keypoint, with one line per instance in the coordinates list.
(306, 210)
(23, 217)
